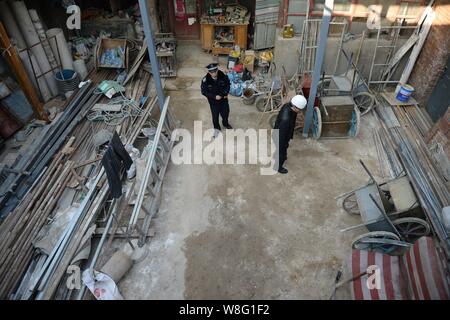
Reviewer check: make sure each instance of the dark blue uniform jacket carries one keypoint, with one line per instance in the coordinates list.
(212, 88)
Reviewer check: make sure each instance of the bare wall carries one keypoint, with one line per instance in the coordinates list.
(434, 55)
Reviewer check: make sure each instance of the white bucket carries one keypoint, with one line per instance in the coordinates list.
(80, 67)
(405, 93)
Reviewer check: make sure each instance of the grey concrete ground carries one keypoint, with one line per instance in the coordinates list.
(227, 232)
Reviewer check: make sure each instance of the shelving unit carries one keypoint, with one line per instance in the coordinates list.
(166, 57)
(208, 31)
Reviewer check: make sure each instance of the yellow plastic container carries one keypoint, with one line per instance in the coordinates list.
(288, 31)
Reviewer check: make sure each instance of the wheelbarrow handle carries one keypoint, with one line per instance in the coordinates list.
(367, 170)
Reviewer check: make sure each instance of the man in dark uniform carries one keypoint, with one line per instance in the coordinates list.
(216, 86)
(285, 123)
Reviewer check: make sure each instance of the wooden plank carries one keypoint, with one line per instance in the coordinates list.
(392, 100)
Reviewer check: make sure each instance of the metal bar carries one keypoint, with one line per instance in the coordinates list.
(100, 246)
(335, 122)
(385, 216)
(370, 222)
(397, 27)
(360, 188)
(52, 142)
(328, 8)
(60, 245)
(143, 5)
(374, 56)
(341, 42)
(380, 81)
(387, 241)
(148, 168)
(34, 74)
(51, 69)
(349, 64)
(367, 171)
(156, 192)
(12, 57)
(59, 55)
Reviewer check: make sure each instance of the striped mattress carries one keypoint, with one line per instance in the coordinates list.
(420, 274)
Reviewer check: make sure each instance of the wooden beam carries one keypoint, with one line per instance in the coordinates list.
(10, 53)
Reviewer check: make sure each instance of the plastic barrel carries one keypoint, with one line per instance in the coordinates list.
(405, 93)
(67, 80)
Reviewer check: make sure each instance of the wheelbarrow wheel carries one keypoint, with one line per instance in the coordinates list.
(272, 120)
(364, 101)
(317, 123)
(355, 123)
(350, 205)
(380, 241)
(412, 228)
(260, 103)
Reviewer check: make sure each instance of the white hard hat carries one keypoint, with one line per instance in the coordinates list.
(299, 101)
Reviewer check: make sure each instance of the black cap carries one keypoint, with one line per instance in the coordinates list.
(212, 67)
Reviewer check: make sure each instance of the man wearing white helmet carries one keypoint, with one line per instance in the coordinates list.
(285, 123)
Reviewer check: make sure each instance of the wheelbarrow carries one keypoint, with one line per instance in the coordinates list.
(336, 117)
(390, 211)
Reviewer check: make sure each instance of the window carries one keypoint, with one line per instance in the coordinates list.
(342, 5)
(298, 6)
(191, 6)
(339, 5)
(297, 21)
(391, 10)
(318, 5)
(296, 14)
(409, 10)
(362, 7)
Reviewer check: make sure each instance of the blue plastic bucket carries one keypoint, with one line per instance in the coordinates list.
(66, 80)
(405, 93)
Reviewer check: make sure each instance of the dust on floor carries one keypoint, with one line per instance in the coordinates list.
(227, 232)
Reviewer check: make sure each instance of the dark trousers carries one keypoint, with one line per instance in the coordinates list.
(221, 108)
(282, 153)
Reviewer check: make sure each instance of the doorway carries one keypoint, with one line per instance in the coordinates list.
(185, 15)
(438, 102)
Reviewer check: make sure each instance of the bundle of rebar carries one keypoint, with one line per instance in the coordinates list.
(43, 149)
(65, 172)
(93, 202)
(403, 130)
(21, 227)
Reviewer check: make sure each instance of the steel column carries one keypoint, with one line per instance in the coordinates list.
(143, 6)
(320, 53)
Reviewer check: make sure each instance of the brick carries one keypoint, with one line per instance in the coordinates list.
(433, 57)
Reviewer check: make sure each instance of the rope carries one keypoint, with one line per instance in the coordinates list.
(6, 50)
(129, 108)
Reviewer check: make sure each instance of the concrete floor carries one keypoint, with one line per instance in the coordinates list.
(227, 232)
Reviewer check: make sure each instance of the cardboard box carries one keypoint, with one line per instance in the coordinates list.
(104, 44)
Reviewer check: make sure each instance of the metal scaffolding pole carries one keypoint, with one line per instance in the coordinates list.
(328, 8)
(152, 52)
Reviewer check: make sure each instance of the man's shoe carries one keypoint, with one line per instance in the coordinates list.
(228, 126)
(283, 170)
